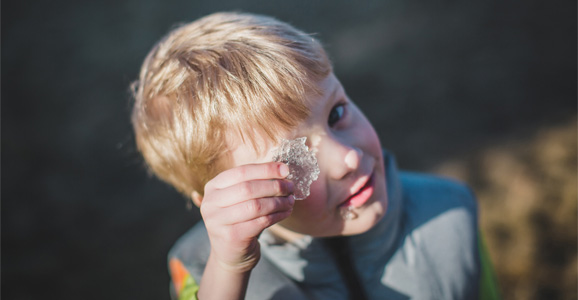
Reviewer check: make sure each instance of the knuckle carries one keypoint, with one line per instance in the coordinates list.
(278, 186)
(241, 173)
(273, 169)
(265, 221)
(246, 189)
(254, 206)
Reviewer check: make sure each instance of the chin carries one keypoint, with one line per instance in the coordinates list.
(368, 218)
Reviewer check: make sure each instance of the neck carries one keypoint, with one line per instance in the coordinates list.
(285, 234)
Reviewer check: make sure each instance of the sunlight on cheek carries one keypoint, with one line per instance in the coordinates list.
(315, 140)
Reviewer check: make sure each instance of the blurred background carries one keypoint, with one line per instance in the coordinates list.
(482, 91)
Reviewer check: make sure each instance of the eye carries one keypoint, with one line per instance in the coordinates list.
(336, 114)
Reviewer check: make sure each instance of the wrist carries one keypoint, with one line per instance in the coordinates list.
(216, 274)
(244, 265)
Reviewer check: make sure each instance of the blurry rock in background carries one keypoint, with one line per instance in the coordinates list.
(527, 191)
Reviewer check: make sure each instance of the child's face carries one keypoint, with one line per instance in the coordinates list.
(350, 160)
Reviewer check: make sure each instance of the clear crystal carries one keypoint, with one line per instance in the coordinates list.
(303, 168)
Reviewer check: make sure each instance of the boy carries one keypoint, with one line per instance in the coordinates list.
(214, 99)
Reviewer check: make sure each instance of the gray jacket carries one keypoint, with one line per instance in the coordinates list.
(424, 248)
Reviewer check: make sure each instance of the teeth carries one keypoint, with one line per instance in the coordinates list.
(347, 213)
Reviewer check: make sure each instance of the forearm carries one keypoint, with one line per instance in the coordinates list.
(219, 282)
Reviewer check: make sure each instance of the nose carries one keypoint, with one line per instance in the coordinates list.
(342, 159)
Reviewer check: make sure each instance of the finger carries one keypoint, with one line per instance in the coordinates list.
(255, 226)
(270, 170)
(252, 209)
(254, 189)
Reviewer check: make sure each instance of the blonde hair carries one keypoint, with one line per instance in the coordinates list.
(224, 72)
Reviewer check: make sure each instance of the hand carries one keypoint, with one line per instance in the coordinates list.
(238, 205)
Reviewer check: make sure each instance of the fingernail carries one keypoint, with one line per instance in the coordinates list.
(284, 170)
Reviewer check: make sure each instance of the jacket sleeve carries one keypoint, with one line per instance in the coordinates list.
(188, 258)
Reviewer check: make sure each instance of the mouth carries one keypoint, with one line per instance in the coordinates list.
(360, 197)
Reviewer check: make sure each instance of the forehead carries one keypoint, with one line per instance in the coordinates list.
(241, 150)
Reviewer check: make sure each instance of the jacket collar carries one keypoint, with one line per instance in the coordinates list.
(306, 260)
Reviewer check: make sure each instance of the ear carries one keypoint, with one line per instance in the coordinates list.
(197, 198)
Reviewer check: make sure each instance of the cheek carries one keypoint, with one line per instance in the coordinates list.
(315, 206)
(368, 137)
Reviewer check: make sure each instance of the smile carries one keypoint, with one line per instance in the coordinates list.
(361, 196)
